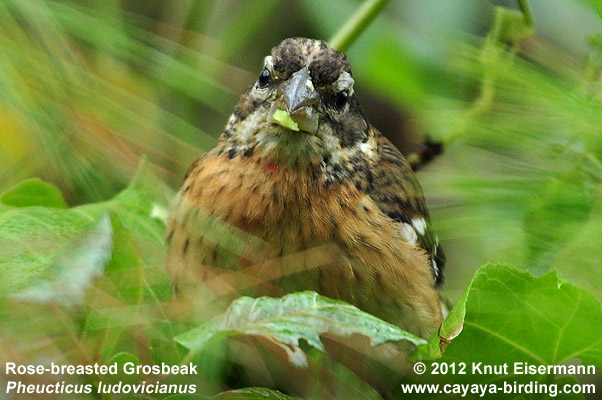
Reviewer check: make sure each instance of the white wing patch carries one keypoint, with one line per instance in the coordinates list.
(409, 233)
(434, 263)
(420, 225)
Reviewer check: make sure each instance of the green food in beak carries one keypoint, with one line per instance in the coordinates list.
(284, 119)
(295, 109)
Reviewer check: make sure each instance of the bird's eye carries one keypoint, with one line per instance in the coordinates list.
(341, 99)
(264, 79)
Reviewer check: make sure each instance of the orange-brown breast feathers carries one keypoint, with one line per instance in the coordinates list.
(287, 231)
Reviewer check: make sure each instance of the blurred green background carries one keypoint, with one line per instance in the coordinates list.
(88, 87)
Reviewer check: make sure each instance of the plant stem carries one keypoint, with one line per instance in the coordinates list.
(526, 10)
(356, 24)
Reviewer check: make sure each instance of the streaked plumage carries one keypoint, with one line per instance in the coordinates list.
(333, 207)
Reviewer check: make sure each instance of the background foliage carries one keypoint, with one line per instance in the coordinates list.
(88, 88)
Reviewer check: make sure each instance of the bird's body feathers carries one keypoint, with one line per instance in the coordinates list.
(335, 209)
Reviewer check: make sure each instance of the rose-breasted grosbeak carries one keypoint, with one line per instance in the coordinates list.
(302, 193)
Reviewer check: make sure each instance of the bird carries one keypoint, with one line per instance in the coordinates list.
(302, 193)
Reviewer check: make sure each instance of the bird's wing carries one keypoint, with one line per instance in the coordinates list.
(398, 194)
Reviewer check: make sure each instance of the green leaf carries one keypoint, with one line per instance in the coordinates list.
(74, 271)
(33, 238)
(33, 192)
(120, 359)
(286, 320)
(115, 305)
(551, 320)
(141, 208)
(449, 330)
(513, 316)
(125, 272)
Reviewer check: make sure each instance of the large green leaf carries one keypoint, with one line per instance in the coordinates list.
(512, 316)
(74, 271)
(116, 304)
(35, 234)
(113, 267)
(287, 320)
(31, 238)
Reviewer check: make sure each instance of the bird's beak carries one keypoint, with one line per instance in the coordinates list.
(298, 96)
(299, 91)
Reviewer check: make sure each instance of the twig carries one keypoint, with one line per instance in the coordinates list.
(356, 24)
(526, 10)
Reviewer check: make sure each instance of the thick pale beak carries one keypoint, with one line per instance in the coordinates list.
(298, 97)
(299, 91)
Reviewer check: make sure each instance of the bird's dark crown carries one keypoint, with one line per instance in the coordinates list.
(324, 63)
(332, 131)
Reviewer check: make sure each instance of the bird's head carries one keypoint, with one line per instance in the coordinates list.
(301, 107)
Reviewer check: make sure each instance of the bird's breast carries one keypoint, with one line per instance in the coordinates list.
(283, 230)
(276, 203)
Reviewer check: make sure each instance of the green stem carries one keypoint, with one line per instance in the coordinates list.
(526, 10)
(356, 24)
